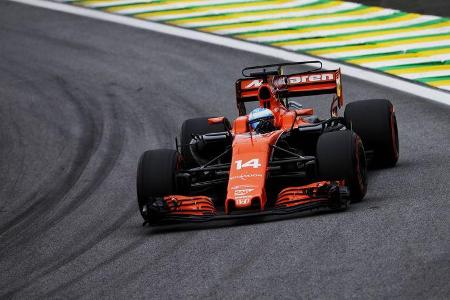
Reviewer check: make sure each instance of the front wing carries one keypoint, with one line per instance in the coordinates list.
(178, 208)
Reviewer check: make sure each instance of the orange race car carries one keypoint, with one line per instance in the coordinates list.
(279, 158)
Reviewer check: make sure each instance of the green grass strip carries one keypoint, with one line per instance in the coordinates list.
(434, 79)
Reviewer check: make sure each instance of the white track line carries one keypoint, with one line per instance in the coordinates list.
(367, 75)
(445, 87)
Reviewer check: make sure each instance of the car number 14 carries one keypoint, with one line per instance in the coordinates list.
(254, 163)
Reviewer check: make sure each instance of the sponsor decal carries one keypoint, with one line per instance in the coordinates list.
(310, 78)
(254, 84)
(242, 200)
(245, 176)
(295, 79)
(237, 187)
(242, 192)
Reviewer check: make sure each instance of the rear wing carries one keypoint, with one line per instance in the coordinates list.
(293, 85)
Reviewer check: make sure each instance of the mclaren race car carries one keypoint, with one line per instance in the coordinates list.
(279, 158)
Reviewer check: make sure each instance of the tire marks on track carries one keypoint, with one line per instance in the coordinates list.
(85, 148)
(93, 131)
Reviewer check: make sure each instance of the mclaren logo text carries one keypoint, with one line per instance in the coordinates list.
(254, 84)
(311, 78)
(298, 79)
(242, 192)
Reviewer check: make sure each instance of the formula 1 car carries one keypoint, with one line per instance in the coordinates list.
(278, 159)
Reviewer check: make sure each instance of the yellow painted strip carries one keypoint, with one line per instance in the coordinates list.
(381, 45)
(419, 69)
(361, 35)
(439, 83)
(272, 22)
(236, 16)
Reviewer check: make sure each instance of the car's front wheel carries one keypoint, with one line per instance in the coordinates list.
(340, 156)
(156, 176)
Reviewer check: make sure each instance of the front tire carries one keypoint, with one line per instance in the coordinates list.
(340, 156)
(156, 176)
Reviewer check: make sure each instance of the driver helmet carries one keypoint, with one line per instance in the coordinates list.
(260, 118)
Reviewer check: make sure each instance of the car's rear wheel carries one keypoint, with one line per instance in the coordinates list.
(375, 122)
(196, 126)
(340, 156)
(156, 176)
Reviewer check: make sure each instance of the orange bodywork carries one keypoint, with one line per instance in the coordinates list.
(252, 152)
(190, 205)
(293, 196)
(250, 159)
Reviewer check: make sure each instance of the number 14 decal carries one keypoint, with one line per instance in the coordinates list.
(251, 163)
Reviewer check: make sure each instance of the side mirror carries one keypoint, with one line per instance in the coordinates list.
(216, 120)
(220, 120)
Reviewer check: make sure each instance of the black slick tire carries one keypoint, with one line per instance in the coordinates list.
(340, 156)
(156, 175)
(375, 122)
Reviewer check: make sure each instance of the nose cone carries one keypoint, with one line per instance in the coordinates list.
(248, 171)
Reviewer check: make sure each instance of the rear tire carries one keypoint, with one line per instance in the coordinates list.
(340, 156)
(375, 122)
(156, 175)
(196, 126)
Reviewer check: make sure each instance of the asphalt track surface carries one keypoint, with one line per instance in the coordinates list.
(81, 99)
